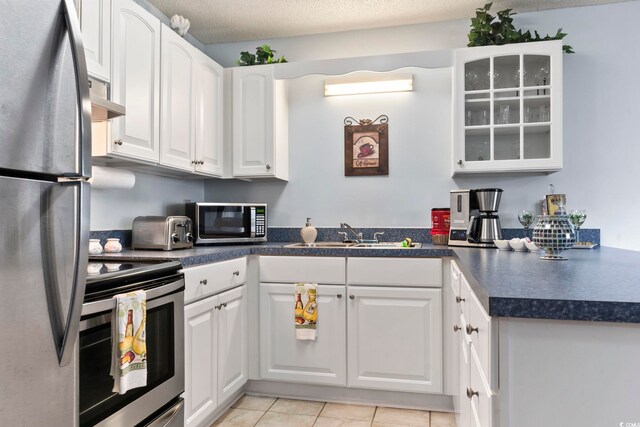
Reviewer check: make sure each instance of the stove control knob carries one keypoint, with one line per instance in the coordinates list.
(189, 237)
(175, 238)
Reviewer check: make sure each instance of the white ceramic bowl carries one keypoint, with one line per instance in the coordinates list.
(531, 246)
(517, 245)
(503, 245)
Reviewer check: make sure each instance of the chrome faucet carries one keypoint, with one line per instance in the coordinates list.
(346, 226)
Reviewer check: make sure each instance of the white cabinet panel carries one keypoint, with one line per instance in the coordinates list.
(136, 81)
(284, 358)
(395, 338)
(201, 386)
(209, 96)
(395, 271)
(283, 269)
(259, 124)
(232, 342)
(177, 138)
(95, 21)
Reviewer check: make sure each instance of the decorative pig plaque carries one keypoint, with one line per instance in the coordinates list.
(366, 146)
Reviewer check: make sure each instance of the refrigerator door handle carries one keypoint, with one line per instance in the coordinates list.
(72, 324)
(83, 153)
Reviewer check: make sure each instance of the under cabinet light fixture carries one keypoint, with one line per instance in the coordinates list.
(357, 84)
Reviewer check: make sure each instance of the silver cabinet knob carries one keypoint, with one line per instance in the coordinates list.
(203, 281)
(471, 329)
(352, 297)
(236, 273)
(459, 300)
(218, 307)
(118, 142)
(268, 167)
(201, 162)
(456, 328)
(339, 296)
(224, 304)
(471, 393)
(459, 162)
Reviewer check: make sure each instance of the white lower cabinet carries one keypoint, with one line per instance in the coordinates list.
(395, 338)
(284, 358)
(215, 352)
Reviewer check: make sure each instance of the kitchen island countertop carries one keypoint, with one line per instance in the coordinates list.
(594, 285)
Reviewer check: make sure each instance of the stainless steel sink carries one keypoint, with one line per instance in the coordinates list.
(321, 245)
(387, 245)
(381, 245)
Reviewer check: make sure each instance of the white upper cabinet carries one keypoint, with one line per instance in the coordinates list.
(177, 113)
(95, 20)
(191, 112)
(260, 123)
(209, 96)
(508, 108)
(136, 82)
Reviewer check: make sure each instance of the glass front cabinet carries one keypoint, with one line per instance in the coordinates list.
(508, 108)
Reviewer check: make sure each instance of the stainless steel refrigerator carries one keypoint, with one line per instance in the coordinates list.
(45, 161)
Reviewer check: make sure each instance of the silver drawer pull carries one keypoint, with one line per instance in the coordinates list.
(459, 300)
(118, 142)
(352, 297)
(203, 281)
(218, 307)
(224, 304)
(339, 296)
(236, 273)
(471, 393)
(456, 328)
(471, 329)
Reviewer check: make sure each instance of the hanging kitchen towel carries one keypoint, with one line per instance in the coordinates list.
(306, 311)
(129, 351)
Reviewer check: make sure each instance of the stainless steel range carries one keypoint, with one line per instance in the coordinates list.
(159, 403)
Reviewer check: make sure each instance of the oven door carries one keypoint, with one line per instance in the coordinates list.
(99, 405)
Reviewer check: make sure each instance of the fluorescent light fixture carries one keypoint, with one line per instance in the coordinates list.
(356, 84)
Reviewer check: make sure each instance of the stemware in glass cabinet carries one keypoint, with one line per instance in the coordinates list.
(526, 219)
(577, 218)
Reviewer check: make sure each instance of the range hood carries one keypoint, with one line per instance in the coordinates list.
(102, 108)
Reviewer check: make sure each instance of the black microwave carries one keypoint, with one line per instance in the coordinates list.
(228, 222)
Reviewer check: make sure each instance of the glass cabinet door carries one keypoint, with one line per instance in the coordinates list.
(507, 109)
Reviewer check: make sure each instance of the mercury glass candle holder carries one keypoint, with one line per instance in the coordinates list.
(553, 234)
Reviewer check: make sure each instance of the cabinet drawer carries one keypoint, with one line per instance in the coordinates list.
(481, 338)
(465, 297)
(398, 271)
(291, 269)
(480, 402)
(210, 279)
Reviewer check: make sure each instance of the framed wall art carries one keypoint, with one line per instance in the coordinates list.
(366, 146)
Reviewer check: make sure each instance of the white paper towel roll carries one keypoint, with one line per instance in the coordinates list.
(111, 178)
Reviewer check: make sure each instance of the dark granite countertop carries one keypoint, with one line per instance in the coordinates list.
(598, 285)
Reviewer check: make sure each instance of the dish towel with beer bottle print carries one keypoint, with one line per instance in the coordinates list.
(129, 351)
(306, 310)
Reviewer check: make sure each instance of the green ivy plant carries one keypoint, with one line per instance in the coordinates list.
(264, 55)
(486, 30)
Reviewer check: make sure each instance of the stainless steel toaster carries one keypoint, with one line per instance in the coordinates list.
(162, 232)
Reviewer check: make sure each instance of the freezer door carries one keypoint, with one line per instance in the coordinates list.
(45, 109)
(43, 262)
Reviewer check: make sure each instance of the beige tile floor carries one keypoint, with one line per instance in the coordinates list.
(270, 411)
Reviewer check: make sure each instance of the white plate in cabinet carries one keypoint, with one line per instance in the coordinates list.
(394, 271)
(394, 338)
(209, 279)
(284, 358)
(291, 269)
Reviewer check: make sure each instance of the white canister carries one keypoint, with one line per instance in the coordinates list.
(95, 247)
(113, 245)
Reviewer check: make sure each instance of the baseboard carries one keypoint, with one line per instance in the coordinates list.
(423, 401)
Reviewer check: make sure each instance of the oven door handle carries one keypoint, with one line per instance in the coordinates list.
(166, 417)
(94, 307)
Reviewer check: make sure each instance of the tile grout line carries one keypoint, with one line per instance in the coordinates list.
(265, 412)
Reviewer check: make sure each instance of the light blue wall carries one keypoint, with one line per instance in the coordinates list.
(601, 147)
